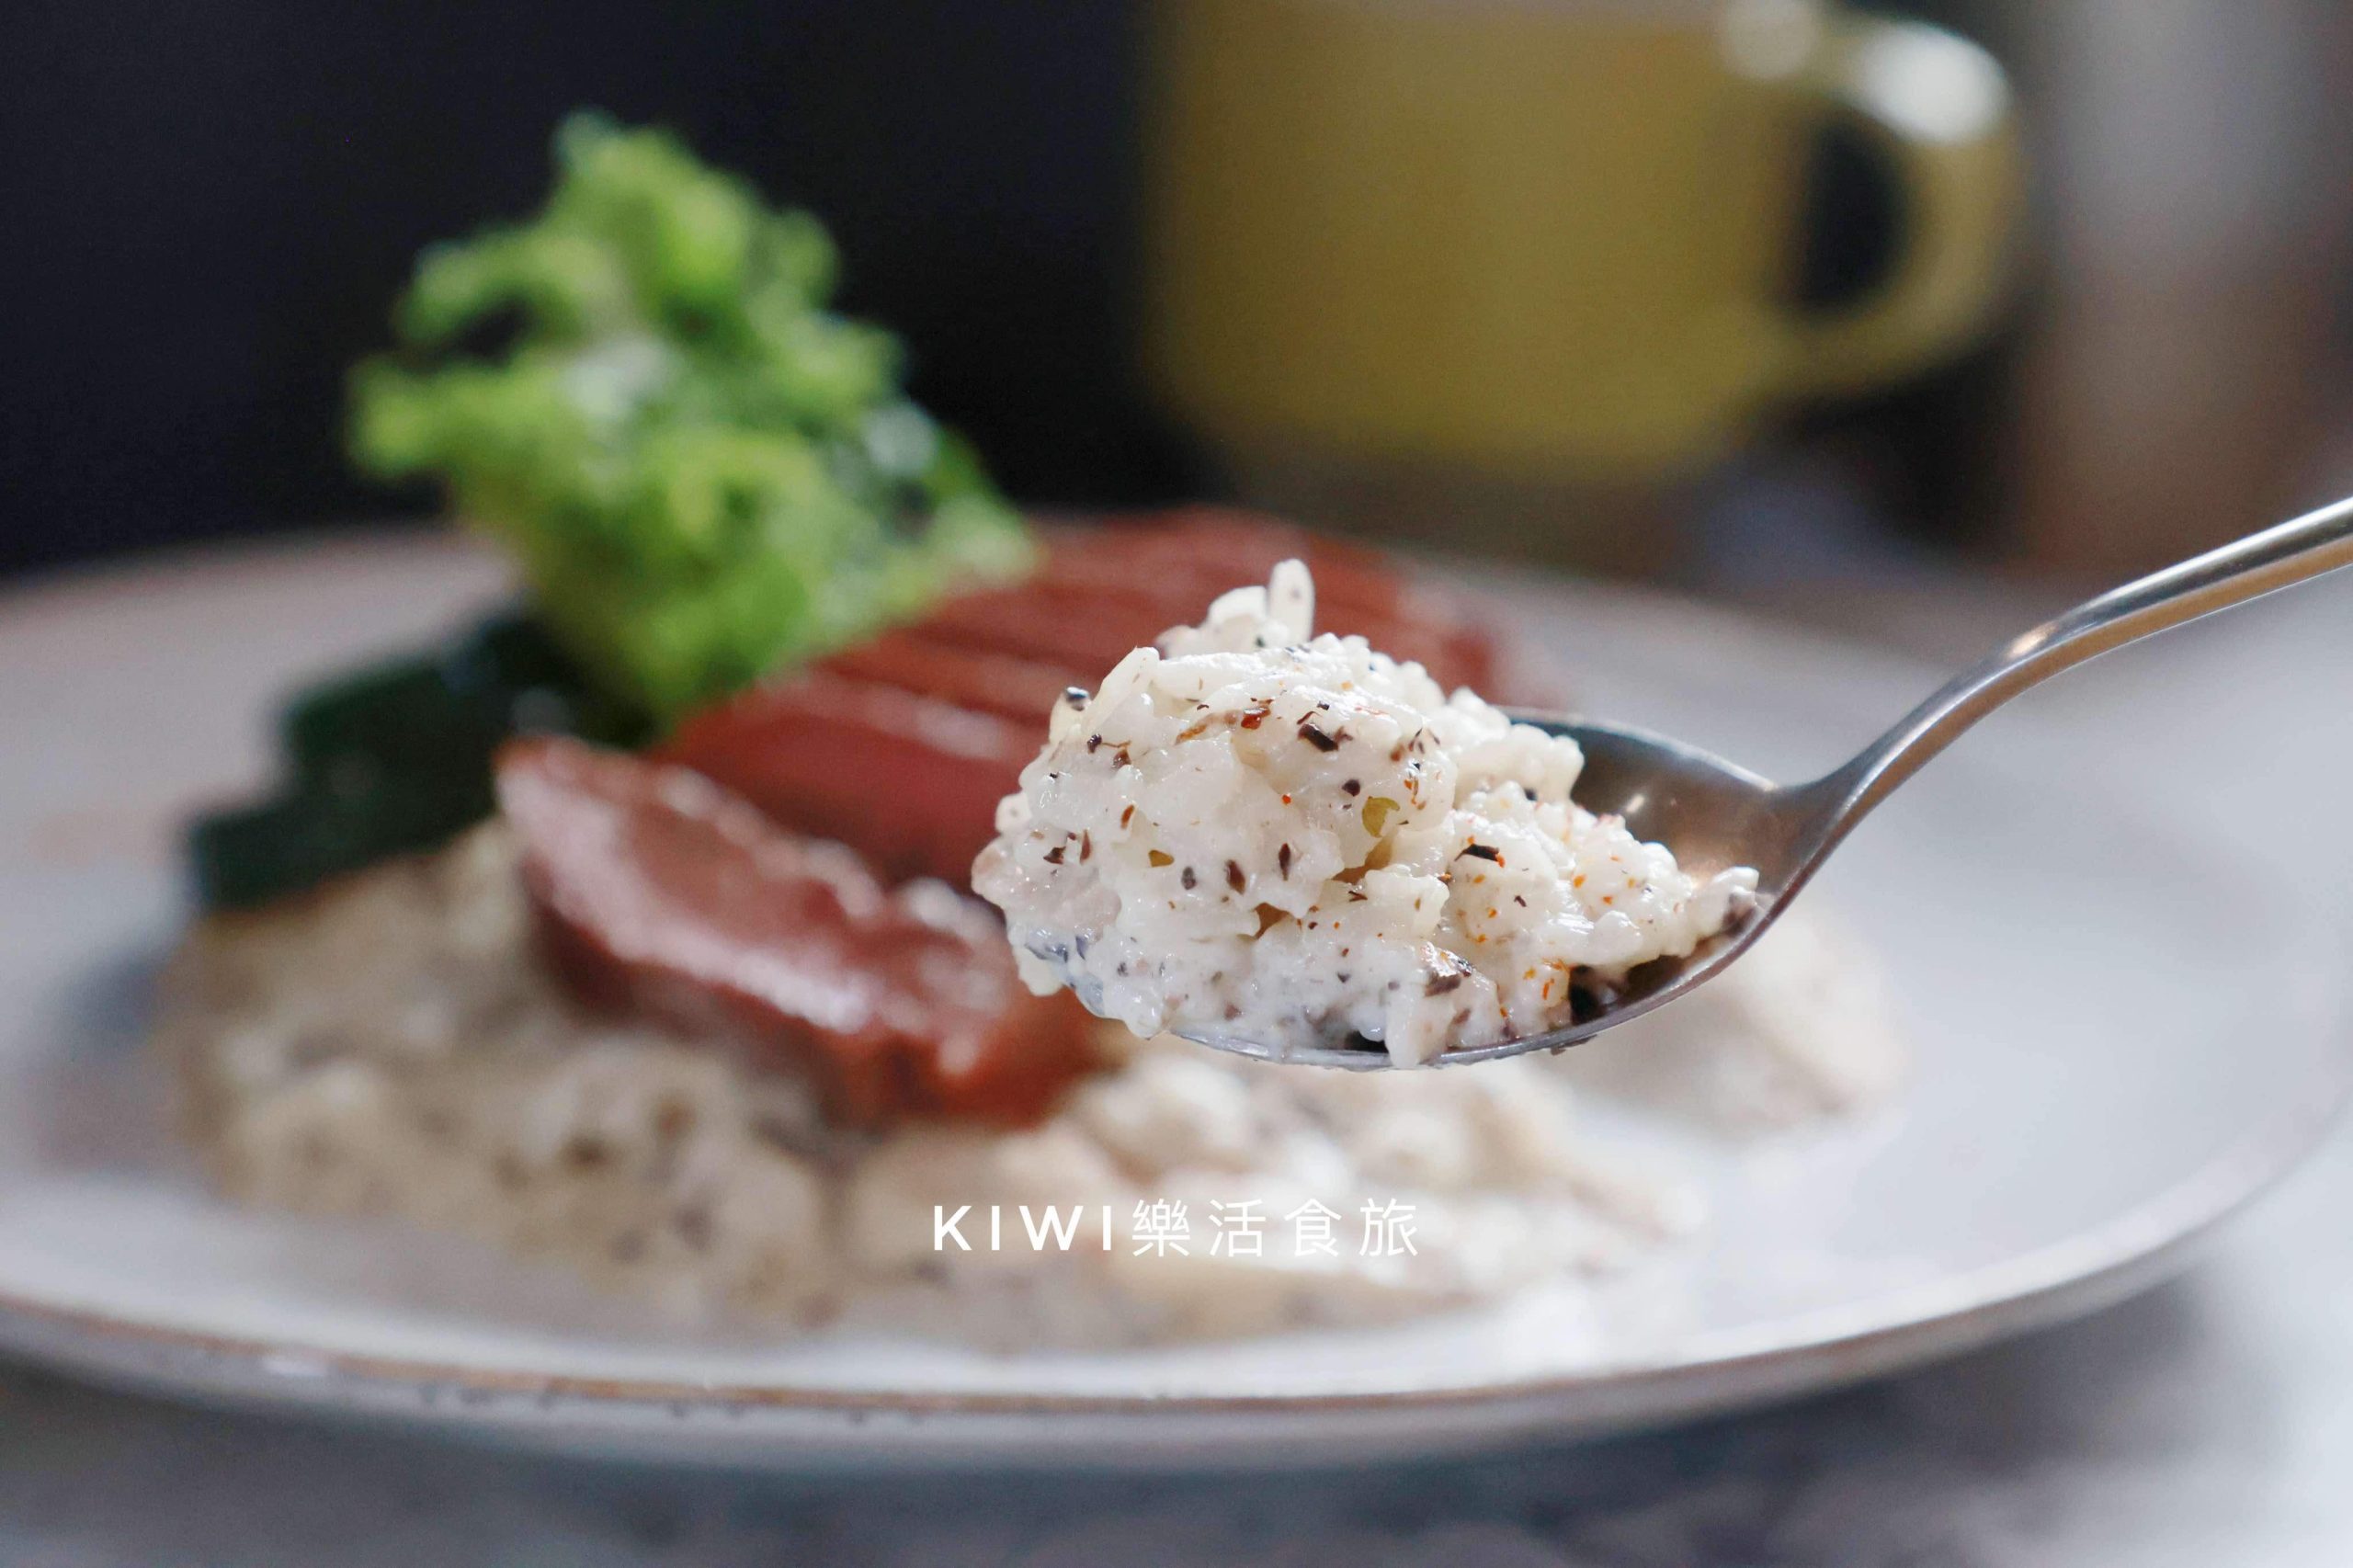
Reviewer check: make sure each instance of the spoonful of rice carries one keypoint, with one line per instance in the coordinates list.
(1296, 847)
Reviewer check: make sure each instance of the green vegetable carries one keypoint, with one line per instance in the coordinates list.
(702, 472)
(395, 758)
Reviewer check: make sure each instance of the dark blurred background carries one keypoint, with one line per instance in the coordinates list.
(210, 208)
(214, 206)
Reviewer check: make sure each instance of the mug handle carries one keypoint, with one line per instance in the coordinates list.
(1941, 108)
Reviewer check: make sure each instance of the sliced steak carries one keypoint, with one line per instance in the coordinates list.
(660, 893)
(909, 781)
(901, 745)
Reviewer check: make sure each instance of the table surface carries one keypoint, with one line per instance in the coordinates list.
(2209, 1422)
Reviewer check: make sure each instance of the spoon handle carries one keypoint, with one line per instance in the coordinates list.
(2289, 552)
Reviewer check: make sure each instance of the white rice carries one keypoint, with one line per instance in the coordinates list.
(389, 1047)
(1253, 833)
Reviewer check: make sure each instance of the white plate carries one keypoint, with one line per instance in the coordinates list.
(2120, 1039)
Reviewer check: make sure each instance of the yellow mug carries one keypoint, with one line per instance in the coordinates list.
(1546, 237)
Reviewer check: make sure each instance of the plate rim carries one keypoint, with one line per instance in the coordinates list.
(635, 1418)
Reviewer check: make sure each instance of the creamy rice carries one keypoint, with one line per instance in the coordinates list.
(389, 1046)
(1251, 832)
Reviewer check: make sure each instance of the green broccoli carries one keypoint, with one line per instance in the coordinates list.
(701, 471)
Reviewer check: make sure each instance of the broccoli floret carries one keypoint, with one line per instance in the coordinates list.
(702, 472)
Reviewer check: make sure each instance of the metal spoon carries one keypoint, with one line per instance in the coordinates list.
(1716, 814)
